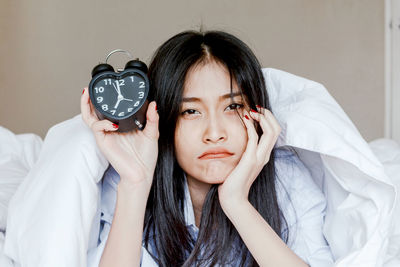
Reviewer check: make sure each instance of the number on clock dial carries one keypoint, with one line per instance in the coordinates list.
(119, 97)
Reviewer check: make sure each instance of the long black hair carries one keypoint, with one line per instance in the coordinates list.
(164, 225)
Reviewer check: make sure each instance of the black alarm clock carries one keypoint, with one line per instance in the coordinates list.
(121, 96)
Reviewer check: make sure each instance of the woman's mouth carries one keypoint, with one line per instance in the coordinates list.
(216, 153)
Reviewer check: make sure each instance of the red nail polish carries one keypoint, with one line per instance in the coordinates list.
(115, 126)
(156, 107)
(83, 91)
(258, 106)
(246, 117)
(252, 110)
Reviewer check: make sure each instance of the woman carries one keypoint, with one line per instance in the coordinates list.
(199, 185)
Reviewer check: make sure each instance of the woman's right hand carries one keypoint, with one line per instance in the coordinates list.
(132, 154)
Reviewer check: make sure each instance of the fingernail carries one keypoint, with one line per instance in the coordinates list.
(246, 117)
(115, 126)
(258, 106)
(156, 107)
(83, 90)
(252, 110)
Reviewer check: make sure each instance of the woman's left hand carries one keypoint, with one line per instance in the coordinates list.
(235, 189)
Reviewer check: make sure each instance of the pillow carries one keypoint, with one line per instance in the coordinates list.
(52, 228)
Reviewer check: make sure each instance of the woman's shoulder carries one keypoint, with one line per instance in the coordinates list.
(303, 206)
(291, 171)
(109, 193)
(111, 177)
(295, 185)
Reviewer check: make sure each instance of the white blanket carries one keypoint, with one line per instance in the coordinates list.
(18, 153)
(52, 212)
(388, 152)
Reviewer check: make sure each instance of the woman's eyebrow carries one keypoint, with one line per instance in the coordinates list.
(223, 97)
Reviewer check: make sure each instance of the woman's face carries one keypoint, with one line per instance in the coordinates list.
(210, 137)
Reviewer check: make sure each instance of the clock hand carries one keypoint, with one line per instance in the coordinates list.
(116, 89)
(120, 98)
(127, 99)
(119, 89)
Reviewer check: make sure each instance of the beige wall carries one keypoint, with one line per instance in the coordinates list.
(48, 48)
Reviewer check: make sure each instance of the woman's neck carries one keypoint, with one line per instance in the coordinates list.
(198, 191)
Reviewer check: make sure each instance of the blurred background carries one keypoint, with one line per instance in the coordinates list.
(48, 49)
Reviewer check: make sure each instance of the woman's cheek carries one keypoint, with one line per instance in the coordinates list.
(237, 123)
(239, 133)
(187, 129)
(186, 135)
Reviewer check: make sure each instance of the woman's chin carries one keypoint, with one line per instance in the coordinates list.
(216, 180)
(216, 172)
(216, 175)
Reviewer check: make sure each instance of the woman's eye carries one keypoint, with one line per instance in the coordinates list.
(189, 111)
(234, 106)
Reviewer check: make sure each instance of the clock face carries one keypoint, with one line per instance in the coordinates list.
(119, 98)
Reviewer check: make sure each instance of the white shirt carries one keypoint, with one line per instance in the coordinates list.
(300, 199)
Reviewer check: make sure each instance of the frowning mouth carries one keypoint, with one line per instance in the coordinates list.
(216, 154)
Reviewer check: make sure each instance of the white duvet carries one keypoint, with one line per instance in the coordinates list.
(52, 211)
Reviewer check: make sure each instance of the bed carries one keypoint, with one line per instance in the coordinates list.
(49, 189)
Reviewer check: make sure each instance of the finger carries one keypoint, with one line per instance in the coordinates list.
(251, 133)
(266, 137)
(255, 115)
(269, 136)
(247, 161)
(99, 127)
(151, 128)
(88, 115)
(273, 121)
(261, 119)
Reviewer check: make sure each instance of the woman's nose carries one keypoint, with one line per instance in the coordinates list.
(215, 131)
